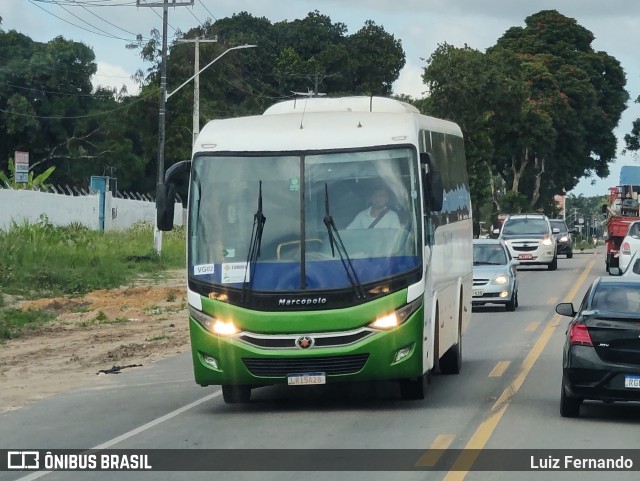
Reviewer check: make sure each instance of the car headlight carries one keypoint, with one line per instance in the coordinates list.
(213, 325)
(397, 317)
(547, 241)
(501, 280)
(564, 238)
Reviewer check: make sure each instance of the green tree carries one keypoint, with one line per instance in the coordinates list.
(575, 100)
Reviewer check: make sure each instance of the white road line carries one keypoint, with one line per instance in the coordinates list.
(133, 432)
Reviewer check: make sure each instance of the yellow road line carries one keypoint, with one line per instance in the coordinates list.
(439, 444)
(500, 368)
(532, 326)
(552, 300)
(481, 436)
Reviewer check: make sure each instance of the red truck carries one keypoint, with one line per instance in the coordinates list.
(622, 210)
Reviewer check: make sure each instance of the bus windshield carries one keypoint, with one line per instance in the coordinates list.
(370, 196)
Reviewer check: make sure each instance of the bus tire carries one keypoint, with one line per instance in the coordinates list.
(236, 394)
(413, 389)
(451, 362)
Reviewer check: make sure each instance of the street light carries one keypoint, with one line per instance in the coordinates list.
(157, 238)
(196, 89)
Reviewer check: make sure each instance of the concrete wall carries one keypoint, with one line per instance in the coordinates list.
(29, 205)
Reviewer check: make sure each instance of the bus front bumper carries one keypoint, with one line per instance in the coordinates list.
(383, 355)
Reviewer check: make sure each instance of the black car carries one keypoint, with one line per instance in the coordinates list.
(602, 349)
(564, 239)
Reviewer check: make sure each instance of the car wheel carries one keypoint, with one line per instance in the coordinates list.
(569, 407)
(236, 394)
(554, 263)
(512, 303)
(517, 300)
(570, 255)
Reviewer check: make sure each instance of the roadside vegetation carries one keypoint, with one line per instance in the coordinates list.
(41, 260)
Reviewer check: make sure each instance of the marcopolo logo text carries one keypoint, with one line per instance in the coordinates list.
(304, 301)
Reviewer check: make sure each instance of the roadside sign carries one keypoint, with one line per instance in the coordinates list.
(21, 164)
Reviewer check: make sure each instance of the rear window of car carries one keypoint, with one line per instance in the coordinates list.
(623, 298)
(559, 224)
(525, 226)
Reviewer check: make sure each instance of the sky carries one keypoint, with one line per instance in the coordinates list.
(421, 25)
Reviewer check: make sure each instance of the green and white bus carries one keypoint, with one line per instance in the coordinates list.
(284, 286)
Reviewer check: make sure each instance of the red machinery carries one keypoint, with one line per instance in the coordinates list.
(621, 211)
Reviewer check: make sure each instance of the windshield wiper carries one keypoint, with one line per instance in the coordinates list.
(336, 244)
(254, 246)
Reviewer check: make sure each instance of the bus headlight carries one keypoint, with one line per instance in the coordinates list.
(211, 324)
(395, 318)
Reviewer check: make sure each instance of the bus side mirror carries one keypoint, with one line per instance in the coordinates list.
(165, 206)
(432, 180)
(166, 195)
(604, 209)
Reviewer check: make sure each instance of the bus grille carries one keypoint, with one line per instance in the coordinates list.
(329, 365)
(289, 342)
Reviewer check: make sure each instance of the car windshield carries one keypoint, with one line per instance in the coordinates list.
(619, 298)
(488, 254)
(525, 226)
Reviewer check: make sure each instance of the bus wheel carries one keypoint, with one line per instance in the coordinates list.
(451, 362)
(236, 394)
(413, 388)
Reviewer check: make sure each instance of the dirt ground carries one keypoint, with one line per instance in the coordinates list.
(102, 330)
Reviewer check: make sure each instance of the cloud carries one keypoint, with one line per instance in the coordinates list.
(114, 76)
(410, 82)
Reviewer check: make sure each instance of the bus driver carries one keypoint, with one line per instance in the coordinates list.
(379, 214)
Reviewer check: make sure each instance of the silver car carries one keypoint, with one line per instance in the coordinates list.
(495, 275)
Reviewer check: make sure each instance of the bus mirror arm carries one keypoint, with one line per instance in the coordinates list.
(175, 169)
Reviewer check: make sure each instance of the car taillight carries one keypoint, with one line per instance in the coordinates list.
(579, 335)
(626, 249)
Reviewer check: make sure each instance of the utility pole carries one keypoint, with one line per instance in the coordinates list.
(196, 83)
(165, 4)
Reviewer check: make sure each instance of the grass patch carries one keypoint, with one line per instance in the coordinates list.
(41, 260)
(15, 323)
(117, 320)
(160, 337)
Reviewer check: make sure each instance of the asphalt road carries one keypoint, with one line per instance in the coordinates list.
(507, 396)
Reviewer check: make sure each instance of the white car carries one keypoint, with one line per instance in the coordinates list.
(629, 246)
(530, 239)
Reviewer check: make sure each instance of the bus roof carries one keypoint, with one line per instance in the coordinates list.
(342, 104)
(319, 124)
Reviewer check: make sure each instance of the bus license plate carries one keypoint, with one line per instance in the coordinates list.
(632, 382)
(478, 293)
(525, 257)
(306, 379)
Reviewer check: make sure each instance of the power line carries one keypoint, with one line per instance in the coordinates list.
(205, 7)
(34, 3)
(104, 20)
(63, 117)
